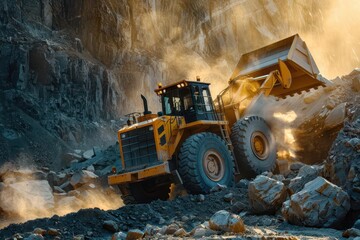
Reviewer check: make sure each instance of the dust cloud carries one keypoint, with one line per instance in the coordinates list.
(281, 123)
(24, 197)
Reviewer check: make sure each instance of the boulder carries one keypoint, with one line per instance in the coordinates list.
(80, 178)
(306, 174)
(111, 226)
(266, 194)
(225, 221)
(336, 117)
(27, 198)
(134, 234)
(319, 204)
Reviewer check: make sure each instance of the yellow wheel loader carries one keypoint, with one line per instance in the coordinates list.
(200, 142)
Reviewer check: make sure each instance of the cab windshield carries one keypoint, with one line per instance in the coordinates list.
(176, 101)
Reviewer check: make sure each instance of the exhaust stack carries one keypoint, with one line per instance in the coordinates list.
(146, 110)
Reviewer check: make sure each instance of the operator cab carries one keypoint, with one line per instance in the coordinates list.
(189, 99)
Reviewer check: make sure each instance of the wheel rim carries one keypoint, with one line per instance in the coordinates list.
(260, 145)
(213, 165)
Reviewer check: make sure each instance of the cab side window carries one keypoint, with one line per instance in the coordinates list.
(207, 99)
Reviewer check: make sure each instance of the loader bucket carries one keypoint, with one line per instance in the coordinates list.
(294, 53)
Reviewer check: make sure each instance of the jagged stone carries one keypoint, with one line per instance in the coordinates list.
(225, 221)
(305, 175)
(319, 204)
(266, 194)
(80, 178)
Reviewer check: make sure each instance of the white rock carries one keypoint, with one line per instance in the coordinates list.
(266, 195)
(225, 221)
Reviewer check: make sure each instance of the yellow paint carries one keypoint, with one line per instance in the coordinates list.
(138, 175)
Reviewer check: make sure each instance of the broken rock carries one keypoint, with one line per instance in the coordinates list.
(266, 194)
(336, 116)
(225, 221)
(319, 204)
(305, 175)
(80, 178)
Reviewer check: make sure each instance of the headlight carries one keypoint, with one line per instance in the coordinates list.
(151, 128)
(123, 135)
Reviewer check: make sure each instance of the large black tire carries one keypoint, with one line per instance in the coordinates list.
(204, 162)
(254, 146)
(145, 191)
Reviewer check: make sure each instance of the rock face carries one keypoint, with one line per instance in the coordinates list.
(343, 164)
(73, 66)
(225, 221)
(266, 194)
(319, 204)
